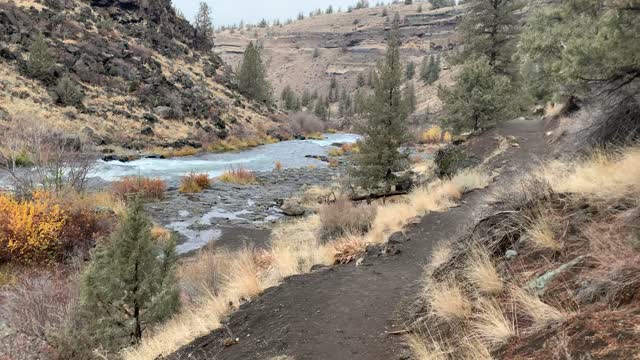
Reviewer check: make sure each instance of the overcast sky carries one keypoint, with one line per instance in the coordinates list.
(229, 12)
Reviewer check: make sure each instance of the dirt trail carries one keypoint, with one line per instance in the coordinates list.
(347, 312)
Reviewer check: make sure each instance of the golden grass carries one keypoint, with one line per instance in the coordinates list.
(233, 143)
(160, 233)
(448, 301)
(170, 152)
(239, 176)
(491, 324)
(440, 255)
(335, 151)
(482, 273)
(602, 175)
(535, 309)
(147, 188)
(109, 201)
(447, 137)
(194, 183)
(427, 349)
(541, 235)
(432, 136)
(314, 136)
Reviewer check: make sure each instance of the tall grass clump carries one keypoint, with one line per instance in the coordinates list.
(194, 183)
(239, 176)
(343, 217)
(146, 188)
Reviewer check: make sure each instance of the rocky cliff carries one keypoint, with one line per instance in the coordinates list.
(146, 82)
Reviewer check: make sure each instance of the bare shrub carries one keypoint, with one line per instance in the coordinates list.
(58, 161)
(40, 306)
(305, 123)
(343, 217)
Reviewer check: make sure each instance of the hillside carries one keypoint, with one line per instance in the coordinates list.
(349, 44)
(146, 82)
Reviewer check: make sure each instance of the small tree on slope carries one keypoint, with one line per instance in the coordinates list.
(252, 77)
(130, 284)
(204, 28)
(385, 131)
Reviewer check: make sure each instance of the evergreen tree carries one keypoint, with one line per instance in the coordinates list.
(479, 98)
(130, 284)
(252, 77)
(306, 98)
(41, 61)
(569, 47)
(289, 99)
(204, 28)
(430, 71)
(489, 28)
(411, 70)
(67, 92)
(321, 109)
(385, 130)
(409, 97)
(361, 80)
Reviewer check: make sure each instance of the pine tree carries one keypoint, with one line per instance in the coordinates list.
(130, 284)
(385, 130)
(478, 99)
(41, 61)
(252, 77)
(204, 28)
(409, 97)
(306, 98)
(489, 28)
(67, 92)
(571, 47)
(320, 109)
(411, 70)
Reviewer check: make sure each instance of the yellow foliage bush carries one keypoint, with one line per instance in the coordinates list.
(432, 136)
(30, 229)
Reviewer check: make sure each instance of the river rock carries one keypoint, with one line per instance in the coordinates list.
(292, 207)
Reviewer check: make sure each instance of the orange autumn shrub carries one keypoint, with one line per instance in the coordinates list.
(131, 186)
(30, 230)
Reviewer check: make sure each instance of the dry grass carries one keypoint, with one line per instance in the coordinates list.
(160, 233)
(427, 349)
(440, 255)
(171, 152)
(194, 183)
(491, 324)
(447, 137)
(335, 151)
(603, 176)
(109, 201)
(448, 301)
(533, 308)
(482, 273)
(132, 186)
(541, 235)
(344, 217)
(277, 166)
(239, 176)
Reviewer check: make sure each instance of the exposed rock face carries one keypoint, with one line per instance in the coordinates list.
(137, 50)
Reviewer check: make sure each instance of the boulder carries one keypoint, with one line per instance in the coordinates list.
(293, 208)
(147, 130)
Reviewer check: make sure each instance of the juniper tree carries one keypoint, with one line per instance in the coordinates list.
(67, 92)
(41, 61)
(569, 47)
(478, 99)
(409, 96)
(203, 28)
(306, 98)
(129, 285)
(252, 77)
(430, 71)
(411, 70)
(489, 28)
(385, 130)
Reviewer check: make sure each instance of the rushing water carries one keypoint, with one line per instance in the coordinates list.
(290, 154)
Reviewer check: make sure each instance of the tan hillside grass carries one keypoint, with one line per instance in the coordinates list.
(432, 136)
(482, 273)
(424, 348)
(602, 175)
(448, 301)
(535, 309)
(440, 255)
(491, 325)
(473, 349)
(344, 217)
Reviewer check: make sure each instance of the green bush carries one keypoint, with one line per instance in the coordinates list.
(68, 93)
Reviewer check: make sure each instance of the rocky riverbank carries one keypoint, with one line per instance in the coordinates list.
(231, 215)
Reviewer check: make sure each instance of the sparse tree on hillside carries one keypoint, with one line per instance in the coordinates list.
(385, 130)
(329, 10)
(430, 71)
(67, 92)
(490, 28)
(204, 28)
(306, 98)
(252, 77)
(321, 109)
(480, 98)
(411, 70)
(130, 284)
(41, 61)
(437, 4)
(409, 97)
